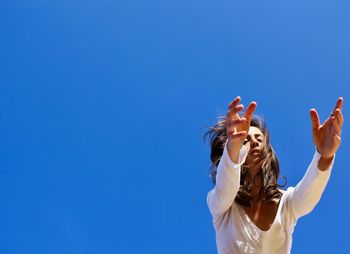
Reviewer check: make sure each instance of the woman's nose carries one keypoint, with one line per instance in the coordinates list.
(254, 143)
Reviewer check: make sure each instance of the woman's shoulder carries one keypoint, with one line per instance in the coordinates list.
(285, 194)
(288, 190)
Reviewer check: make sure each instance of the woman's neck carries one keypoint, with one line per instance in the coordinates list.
(257, 182)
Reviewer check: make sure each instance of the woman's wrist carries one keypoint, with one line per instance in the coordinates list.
(325, 163)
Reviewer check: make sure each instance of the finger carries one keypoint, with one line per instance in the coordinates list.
(238, 135)
(250, 110)
(339, 116)
(338, 105)
(234, 122)
(234, 102)
(336, 126)
(235, 109)
(337, 139)
(315, 120)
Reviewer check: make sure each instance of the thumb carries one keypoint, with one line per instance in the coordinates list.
(315, 120)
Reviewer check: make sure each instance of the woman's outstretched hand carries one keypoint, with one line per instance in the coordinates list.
(327, 137)
(237, 127)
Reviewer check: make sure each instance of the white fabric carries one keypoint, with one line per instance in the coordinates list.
(236, 233)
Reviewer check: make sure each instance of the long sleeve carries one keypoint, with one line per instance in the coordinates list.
(304, 197)
(227, 185)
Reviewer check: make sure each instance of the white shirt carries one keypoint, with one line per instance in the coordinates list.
(236, 233)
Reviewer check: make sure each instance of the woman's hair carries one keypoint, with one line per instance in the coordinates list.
(217, 137)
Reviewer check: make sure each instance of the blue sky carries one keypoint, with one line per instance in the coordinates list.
(104, 105)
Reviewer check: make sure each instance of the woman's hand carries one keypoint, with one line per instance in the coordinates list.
(237, 127)
(327, 137)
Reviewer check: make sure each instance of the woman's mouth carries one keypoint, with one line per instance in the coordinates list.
(255, 152)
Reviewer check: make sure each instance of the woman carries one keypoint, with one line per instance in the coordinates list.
(250, 214)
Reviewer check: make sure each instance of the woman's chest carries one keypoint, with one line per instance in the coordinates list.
(262, 214)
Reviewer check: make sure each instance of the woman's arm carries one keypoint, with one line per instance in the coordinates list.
(228, 174)
(227, 184)
(309, 190)
(327, 138)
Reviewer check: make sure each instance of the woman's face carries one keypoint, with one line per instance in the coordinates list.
(254, 143)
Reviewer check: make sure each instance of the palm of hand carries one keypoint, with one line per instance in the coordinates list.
(237, 127)
(327, 137)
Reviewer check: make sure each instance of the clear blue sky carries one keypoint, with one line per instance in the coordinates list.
(104, 104)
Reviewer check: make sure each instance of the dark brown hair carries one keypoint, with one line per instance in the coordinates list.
(217, 137)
